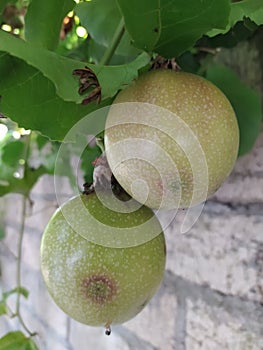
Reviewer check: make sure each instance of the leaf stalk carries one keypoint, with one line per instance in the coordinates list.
(114, 44)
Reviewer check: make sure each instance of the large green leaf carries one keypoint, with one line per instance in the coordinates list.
(143, 21)
(92, 16)
(171, 27)
(17, 341)
(245, 101)
(252, 9)
(59, 69)
(30, 99)
(43, 21)
(95, 52)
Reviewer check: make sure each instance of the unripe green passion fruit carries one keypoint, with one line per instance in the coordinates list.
(95, 284)
(171, 139)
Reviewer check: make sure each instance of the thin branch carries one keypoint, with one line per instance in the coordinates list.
(20, 243)
(114, 44)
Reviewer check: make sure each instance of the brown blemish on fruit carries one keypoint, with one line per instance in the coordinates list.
(99, 288)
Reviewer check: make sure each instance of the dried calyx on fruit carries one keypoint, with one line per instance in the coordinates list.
(103, 179)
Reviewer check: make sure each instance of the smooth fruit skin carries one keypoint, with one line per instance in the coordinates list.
(195, 171)
(94, 284)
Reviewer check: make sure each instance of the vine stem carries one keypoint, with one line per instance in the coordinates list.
(114, 44)
(20, 243)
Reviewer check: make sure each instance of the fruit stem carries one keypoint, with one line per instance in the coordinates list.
(114, 44)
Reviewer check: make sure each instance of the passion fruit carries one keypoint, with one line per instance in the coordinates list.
(171, 139)
(102, 285)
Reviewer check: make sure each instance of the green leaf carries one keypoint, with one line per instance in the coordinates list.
(12, 152)
(252, 9)
(245, 101)
(239, 32)
(17, 341)
(92, 16)
(188, 62)
(30, 99)
(43, 21)
(41, 141)
(18, 290)
(143, 21)
(170, 28)
(10, 164)
(10, 155)
(59, 69)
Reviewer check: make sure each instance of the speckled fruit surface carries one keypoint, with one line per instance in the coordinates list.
(171, 139)
(95, 284)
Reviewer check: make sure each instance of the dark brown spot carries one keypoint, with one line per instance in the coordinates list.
(99, 288)
(156, 30)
